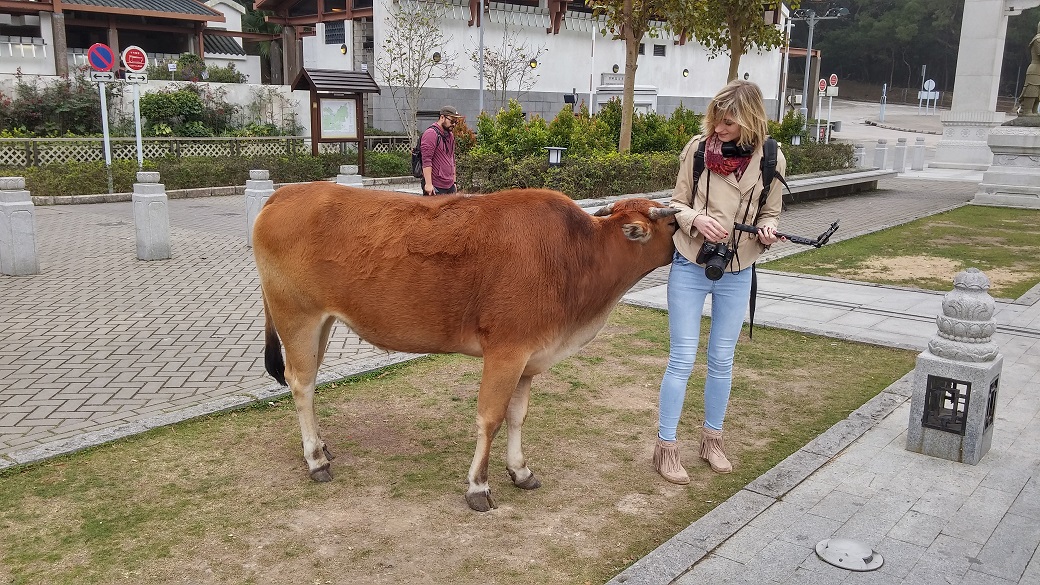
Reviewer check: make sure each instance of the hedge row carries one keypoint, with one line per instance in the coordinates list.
(595, 175)
(600, 175)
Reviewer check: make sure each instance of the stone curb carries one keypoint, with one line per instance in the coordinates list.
(911, 130)
(679, 554)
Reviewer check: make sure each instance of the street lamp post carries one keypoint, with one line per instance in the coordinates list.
(811, 18)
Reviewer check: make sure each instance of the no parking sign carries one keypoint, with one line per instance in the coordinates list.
(101, 57)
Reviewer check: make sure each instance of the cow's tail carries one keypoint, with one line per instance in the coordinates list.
(273, 361)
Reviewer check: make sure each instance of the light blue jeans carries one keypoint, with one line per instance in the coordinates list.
(687, 289)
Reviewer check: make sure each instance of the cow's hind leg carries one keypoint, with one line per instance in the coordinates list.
(323, 346)
(500, 378)
(516, 463)
(302, 342)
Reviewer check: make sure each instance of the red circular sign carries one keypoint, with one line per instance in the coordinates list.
(135, 59)
(823, 84)
(834, 79)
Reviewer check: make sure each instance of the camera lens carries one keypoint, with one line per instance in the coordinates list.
(713, 271)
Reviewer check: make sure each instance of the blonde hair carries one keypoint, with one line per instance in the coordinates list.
(740, 101)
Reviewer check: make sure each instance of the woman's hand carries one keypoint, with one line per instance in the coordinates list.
(767, 235)
(710, 229)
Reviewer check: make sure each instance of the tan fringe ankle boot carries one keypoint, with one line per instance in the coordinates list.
(712, 451)
(666, 462)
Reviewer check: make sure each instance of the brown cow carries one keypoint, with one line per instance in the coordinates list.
(523, 278)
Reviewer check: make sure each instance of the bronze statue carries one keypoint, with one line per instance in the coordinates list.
(1031, 90)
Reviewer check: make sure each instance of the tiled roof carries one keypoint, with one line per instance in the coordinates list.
(335, 81)
(221, 45)
(172, 6)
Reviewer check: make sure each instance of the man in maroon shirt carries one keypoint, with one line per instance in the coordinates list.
(438, 153)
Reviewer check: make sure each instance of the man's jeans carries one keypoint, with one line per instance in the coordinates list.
(687, 289)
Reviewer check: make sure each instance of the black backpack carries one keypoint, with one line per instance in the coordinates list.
(417, 154)
(769, 149)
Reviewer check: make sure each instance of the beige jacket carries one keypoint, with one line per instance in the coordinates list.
(727, 203)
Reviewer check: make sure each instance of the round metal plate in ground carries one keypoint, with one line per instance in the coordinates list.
(848, 554)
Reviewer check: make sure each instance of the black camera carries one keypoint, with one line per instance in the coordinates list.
(715, 256)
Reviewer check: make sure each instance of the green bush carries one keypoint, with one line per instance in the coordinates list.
(225, 74)
(596, 175)
(814, 157)
(387, 164)
(789, 127)
(190, 67)
(171, 106)
(68, 106)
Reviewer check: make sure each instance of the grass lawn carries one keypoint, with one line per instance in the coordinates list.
(1002, 242)
(226, 499)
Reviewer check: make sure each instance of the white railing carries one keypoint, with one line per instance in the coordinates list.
(27, 152)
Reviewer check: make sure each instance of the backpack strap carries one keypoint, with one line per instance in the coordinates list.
(698, 164)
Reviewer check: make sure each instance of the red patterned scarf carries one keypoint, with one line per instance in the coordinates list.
(722, 165)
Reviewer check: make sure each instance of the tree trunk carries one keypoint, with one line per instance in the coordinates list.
(632, 38)
(736, 49)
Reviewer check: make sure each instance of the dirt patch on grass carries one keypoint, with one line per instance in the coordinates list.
(922, 267)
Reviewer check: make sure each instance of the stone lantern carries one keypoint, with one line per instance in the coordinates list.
(957, 378)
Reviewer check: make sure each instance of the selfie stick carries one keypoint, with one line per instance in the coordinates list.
(819, 241)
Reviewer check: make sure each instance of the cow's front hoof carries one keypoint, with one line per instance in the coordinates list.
(531, 483)
(480, 501)
(322, 474)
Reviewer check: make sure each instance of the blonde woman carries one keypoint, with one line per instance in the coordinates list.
(713, 258)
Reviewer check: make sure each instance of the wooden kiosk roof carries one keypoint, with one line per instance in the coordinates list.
(335, 81)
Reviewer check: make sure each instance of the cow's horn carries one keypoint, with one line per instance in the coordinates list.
(605, 210)
(659, 212)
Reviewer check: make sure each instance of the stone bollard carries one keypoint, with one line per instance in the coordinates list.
(17, 229)
(258, 189)
(860, 155)
(880, 153)
(953, 405)
(899, 156)
(917, 160)
(348, 176)
(151, 217)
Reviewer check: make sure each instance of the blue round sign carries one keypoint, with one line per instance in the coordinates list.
(101, 57)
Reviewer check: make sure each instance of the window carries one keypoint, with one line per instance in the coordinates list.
(642, 49)
(334, 33)
(659, 50)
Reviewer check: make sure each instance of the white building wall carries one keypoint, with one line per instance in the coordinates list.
(576, 58)
(31, 58)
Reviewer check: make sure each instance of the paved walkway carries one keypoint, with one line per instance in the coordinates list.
(101, 345)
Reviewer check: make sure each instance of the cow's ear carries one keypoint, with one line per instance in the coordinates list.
(637, 231)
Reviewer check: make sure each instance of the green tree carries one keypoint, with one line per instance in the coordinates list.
(732, 27)
(630, 21)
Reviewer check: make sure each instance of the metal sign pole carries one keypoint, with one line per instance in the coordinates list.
(137, 125)
(104, 133)
(830, 104)
(819, 106)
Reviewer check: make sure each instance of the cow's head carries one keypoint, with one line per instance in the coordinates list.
(645, 222)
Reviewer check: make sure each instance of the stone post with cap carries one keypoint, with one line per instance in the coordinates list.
(899, 156)
(17, 229)
(151, 217)
(917, 164)
(348, 176)
(954, 400)
(880, 153)
(258, 189)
